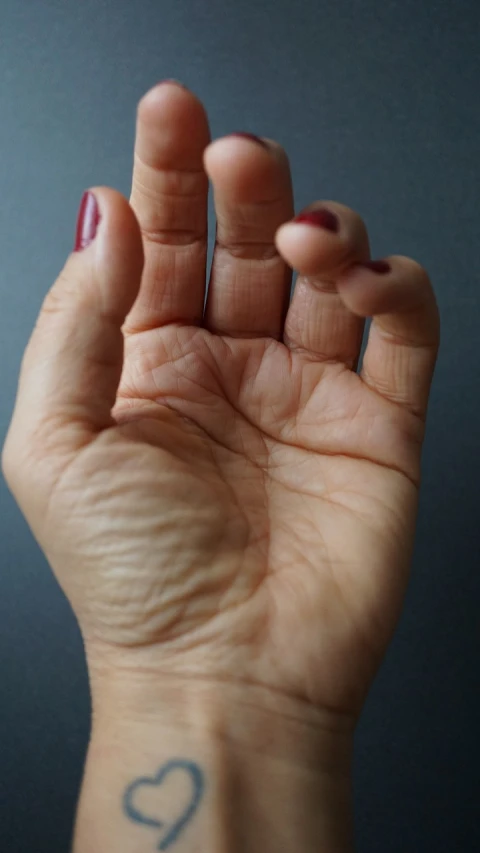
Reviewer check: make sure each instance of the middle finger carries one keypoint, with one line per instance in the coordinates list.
(250, 282)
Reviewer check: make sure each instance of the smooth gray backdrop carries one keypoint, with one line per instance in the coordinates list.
(377, 104)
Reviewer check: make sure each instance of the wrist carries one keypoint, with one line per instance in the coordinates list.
(241, 714)
(275, 773)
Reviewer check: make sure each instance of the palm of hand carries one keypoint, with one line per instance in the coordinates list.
(246, 510)
(263, 514)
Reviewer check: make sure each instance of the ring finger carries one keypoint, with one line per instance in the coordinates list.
(321, 243)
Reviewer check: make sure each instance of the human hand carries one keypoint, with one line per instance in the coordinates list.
(222, 497)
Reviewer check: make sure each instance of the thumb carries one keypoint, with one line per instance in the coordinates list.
(73, 362)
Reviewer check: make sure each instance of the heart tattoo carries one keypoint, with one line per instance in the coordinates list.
(172, 830)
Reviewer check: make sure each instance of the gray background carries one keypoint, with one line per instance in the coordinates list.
(377, 105)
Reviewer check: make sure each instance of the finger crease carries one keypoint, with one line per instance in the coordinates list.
(258, 251)
(173, 237)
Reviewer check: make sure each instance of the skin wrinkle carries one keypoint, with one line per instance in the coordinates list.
(225, 392)
(253, 305)
(214, 533)
(248, 526)
(241, 212)
(267, 560)
(420, 415)
(355, 515)
(181, 604)
(167, 191)
(324, 284)
(164, 172)
(174, 182)
(228, 582)
(337, 723)
(299, 322)
(173, 601)
(253, 461)
(245, 363)
(322, 357)
(372, 497)
(249, 250)
(178, 237)
(392, 338)
(62, 472)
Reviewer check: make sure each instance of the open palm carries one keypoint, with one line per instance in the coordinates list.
(246, 509)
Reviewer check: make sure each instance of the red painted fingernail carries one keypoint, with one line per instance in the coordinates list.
(251, 136)
(87, 222)
(380, 267)
(322, 218)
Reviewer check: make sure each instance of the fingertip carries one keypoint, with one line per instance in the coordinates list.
(172, 127)
(391, 285)
(108, 235)
(368, 288)
(161, 92)
(235, 148)
(307, 249)
(117, 220)
(247, 166)
(323, 239)
(234, 145)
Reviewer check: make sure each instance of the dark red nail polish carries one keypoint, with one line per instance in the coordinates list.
(321, 218)
(250, 136)
(380, 267)
(87, 222)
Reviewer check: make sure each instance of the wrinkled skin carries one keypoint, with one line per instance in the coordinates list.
(247, 512)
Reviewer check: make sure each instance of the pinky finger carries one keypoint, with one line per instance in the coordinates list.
(404, 336)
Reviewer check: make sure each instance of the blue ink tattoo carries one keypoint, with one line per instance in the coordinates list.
(173, 831)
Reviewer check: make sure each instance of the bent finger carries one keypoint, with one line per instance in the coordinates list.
(404, 336)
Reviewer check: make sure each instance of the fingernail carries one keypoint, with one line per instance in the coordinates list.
(87, 222)
(251, 136)
(172, 80)
(322, 218)
(380, 267)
